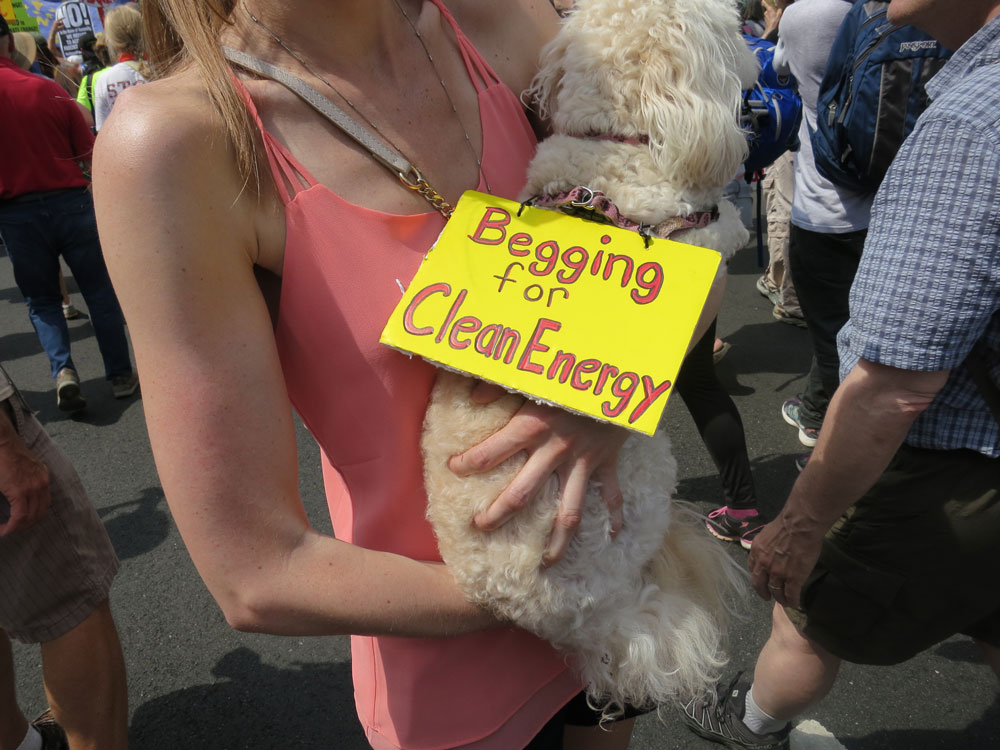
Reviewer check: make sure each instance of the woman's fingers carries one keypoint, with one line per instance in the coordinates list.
(571, 500)
(523, 489)
(522, 432)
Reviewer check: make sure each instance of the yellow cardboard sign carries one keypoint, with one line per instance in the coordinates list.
(564, 310)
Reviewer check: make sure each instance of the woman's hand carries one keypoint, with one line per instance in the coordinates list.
(576, 449)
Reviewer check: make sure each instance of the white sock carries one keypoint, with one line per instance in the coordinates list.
(32, 740)
(758, 721)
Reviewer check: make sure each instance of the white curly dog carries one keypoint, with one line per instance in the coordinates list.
(643, 98)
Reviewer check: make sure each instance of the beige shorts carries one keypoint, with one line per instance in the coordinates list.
(55, 573)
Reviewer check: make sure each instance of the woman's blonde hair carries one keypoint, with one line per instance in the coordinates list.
(123, 32)
(179, 33)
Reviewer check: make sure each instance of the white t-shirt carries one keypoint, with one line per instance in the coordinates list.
(807, 31)
(112, 82)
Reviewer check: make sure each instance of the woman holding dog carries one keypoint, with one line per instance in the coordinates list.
(277, 246)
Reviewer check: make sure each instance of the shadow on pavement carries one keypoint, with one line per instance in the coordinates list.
(981, 734)
(964, 651)
(137, 526)
(254, 706)
(764, 347)
(102, 410)
(11, 294)
(773, 477)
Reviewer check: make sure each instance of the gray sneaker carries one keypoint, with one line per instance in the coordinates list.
(123, 386)
(68, 396)
(768, 290)
(719, 718)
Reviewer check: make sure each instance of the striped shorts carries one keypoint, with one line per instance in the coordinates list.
(55, 573)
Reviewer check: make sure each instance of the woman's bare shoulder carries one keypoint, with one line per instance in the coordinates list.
(164, 167)
(510, 35)
(165, 125)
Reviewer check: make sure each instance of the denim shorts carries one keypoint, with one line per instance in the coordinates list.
(915, 561)
(55, 573)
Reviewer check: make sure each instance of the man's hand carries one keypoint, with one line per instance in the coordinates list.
(24, 480)
(576, 449)
(782, 557)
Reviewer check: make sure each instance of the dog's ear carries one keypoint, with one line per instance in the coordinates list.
(690, 94)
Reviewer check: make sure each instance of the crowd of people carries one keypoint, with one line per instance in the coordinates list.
(263, 225)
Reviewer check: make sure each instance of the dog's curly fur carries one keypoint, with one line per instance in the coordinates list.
(639, 616)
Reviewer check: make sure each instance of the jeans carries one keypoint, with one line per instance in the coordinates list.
(823, 266)
(39, 227)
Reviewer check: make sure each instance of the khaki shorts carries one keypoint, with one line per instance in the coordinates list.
(55, 573)
(914, 562)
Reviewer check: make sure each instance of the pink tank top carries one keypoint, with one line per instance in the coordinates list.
(364, 403)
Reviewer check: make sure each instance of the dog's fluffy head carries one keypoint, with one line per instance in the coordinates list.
(672, 70)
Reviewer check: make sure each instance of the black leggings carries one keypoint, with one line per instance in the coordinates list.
(576, 713)
(718, 421)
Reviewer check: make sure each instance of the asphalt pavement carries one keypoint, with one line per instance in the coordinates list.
(196, 684)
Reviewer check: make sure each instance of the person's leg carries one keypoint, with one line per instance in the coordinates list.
(718, 422)
(69, 311)
(66, 565)
(613, 737)
(576, 726)
(84, 674)
(779, 211)
(792, 673)
(13, 725)
(772, 204)
(35, 262)
(991, 654)
(823, 266)
(81, 248)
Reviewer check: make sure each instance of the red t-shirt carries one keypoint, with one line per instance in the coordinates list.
(42, 134)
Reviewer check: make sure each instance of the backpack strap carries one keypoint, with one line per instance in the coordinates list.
(978, 363)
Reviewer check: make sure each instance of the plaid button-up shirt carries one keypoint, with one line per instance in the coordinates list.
(928, 287)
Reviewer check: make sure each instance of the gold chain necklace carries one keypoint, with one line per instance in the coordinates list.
(420, 185)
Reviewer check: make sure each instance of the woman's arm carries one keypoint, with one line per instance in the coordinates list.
(180, 235)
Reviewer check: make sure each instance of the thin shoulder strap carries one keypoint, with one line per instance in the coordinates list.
(390, 159)
(480, 72)
(285, 169)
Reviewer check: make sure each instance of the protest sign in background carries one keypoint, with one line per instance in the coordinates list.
(76, 22)
(17, 16)
(41, 14)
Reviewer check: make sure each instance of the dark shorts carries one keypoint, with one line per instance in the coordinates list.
(576, 713)
(55, 573)
(914, 562)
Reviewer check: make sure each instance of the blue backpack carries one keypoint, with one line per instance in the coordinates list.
(771, 111)
(871, 95)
